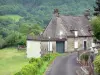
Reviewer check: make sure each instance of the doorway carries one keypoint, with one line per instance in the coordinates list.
(85, 45)
(60, 46)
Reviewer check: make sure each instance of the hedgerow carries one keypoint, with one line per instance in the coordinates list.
(35, 65)
(97, 64)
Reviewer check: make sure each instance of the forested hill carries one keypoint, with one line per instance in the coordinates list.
(19, 18)
(41, 10)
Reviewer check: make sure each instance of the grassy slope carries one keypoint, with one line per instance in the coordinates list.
(12, 17)
(11, 61)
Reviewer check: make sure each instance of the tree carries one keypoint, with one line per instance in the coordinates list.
(12, 39)
(96, 27)
(97, 64)
(36, 29)
(22, 40)
(97, 8)
(2, 42)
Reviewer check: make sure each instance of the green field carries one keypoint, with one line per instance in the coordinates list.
(15, 18)
(11, 61)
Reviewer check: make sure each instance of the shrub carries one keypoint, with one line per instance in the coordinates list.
(30, 69)
(39, 61)
(84, 57)
(97, 64)
(46, 57)
(18, 73)
(35, 64)
(32, 60)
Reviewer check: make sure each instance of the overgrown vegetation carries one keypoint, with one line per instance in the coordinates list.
(96, 27)
(21, 17)
(84, 59)
(11, 61)
(97, 8)
(97, 64)
(37, 66)
(96, 20)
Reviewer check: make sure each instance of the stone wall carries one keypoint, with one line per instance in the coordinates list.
(69, 44)
(89, 41)
(70, 41)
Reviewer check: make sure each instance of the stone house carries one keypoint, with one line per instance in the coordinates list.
(64, 33)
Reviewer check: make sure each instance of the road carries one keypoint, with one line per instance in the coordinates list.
(64, 65)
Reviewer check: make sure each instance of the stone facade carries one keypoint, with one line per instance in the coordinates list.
(69, 44)
(44, 46)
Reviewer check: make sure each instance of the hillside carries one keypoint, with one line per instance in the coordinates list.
(42, 10)
(19, 18)
(15, 18)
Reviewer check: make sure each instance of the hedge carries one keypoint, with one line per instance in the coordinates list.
(84, 57)
(97, 64)
(36, 64)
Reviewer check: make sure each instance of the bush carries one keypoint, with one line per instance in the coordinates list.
(2, 43)
(30, 69)
(39, 61)
(84, 57)
(18, 73)
(46, 57)
(35, 65)
(97, 64)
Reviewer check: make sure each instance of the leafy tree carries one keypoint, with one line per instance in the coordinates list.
(2, 42)
(36, 14)
(12, 39)
(97, 8)
(96, 27)
(97, 64)
(36, 29)
(22, 40)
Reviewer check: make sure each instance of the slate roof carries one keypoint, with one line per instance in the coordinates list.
(61, 27)
(66, 24)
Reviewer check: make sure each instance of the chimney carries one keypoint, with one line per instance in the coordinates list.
(56, 12)
(87, 13)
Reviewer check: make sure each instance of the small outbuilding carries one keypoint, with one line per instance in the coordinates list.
(64, 33)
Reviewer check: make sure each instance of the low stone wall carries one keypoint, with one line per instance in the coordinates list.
(84, 69)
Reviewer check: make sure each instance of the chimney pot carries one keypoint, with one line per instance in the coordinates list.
(56, 12)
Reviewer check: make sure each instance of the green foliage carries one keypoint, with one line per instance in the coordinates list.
(46, 57)
(97, 8)
(49, 56)
(18, 73)
(2, 42)
(41, 11)
(96, 27)
(14, 32)
(30, 16)
(97, 64)
(36, 65)
(22, 40)
(84, 57)
(15, 18)
(39, 61)
(30, 69)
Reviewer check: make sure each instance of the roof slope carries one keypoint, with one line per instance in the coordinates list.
(61, 26)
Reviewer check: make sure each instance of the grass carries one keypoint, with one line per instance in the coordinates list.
(47, 64)
(16, 18)
(43, 68)
(11, 61)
